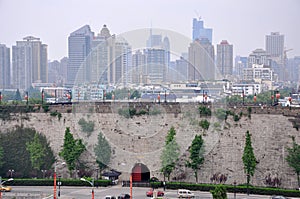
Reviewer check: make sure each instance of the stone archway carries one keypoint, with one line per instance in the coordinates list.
(140, 173)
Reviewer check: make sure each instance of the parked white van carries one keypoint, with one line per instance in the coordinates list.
(184, 193)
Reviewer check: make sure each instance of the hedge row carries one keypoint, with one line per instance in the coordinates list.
(49, 182)
(229, 188)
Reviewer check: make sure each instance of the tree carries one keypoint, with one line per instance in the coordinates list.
(36, 151)
(249, 159)
(18, 96)
(72, 149)
(196, 155)
(102, 152)
(293, 158)
(18, 157)
(169, 154)
(219, 192)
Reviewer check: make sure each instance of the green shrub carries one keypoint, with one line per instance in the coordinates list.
(204, 124)
(87, 127)
(204, 111)
(219, 192)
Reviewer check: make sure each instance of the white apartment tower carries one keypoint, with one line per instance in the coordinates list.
(29, 63)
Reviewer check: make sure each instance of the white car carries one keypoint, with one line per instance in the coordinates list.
(184, 193)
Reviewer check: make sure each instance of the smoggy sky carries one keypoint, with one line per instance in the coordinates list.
(243, 23)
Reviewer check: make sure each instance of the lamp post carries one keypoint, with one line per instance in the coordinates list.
(97, 170)
(11, 171)
(44, 172)
(165, 96)
(54, 179)
(43, 95)
(234, 189)
(2, 183)
(58, 183)
(91, 183)
(0, 97)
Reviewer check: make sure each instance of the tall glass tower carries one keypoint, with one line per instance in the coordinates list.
(199, 32)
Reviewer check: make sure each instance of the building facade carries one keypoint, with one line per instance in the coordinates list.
(4, 67)
(79, 47)
(201, 60)
(225, 58)
(29, 63)
(259, 56)
(199, 32)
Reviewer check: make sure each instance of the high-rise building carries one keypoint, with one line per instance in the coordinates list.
(122, 62)
(4, 67)
(139, 69)
(199, 32)
(157, 58)
(275, 45)
(225, 58)
(201, 60)
(79, 47)
(100, 53)
(156, 65)
(259, 56)
(29, 63)
(275, 48)
(239, 66)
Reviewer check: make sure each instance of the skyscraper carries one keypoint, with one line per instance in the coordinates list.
(275, 45)
(100, 53)
(29, 62)
(4, 67)
(275, 48)
(199, 32)
(157, 58)
(201, 60)
(79, 47)
(225, 58)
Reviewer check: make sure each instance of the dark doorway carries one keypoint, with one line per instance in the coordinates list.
(140, 173)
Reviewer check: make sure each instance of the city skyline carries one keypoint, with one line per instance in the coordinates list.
(242, 24)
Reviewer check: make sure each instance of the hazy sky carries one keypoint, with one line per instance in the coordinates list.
(243, 23)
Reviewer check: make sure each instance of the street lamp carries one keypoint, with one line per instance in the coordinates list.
(234, 190)
(91, 183)
(44, 172)
(97, 170)
(59, 183)
(11, 171)
(54, 179)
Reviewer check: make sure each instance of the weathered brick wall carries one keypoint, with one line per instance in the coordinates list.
(141, 139)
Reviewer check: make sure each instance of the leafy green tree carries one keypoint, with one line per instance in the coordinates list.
(102, 152)
(18, 157)
(169, 154)
(249, 159)
(196, 155)
(36, 151)
(72, 149)
(18, 95)
(293, 158)
(170, 136)
(219, 192)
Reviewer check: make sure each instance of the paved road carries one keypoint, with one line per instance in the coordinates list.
(46, 192)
